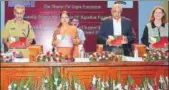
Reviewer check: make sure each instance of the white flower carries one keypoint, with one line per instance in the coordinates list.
(94, 80)
(161, 80)
(66, 85)
(126, 87)
(113, 85)
(41, 55)
(44, 88)
(10, 87)
(166, 79)
(59, 87)
(107, 84)
(142, 88)
(137, 88)
(57, 58)
(99, 81)
(98, 59)
(24, 86)
(51, 58)
(150, 87)
(57, 53)
(104, 56)
(118, 86)
(95, 54)
(160, 57)
(79, 87)
(55, 83)
(56, 79)
(90, 56)
(45, 81)
(15, 85)
(109, 55)
(46, 60)
(76, 85)
(102, 84)
(102, 88)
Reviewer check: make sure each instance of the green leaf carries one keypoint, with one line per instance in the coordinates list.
(21, 85)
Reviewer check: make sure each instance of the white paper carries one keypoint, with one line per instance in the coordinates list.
(21, 60)
(126, 58)
(82, 60)
(64, 41)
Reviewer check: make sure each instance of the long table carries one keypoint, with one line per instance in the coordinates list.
(84, 71)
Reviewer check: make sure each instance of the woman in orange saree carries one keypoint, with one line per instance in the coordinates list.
(65, 37)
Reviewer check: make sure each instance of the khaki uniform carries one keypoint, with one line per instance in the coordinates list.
(16, 30)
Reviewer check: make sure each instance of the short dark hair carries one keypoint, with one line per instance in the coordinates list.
(120, 2)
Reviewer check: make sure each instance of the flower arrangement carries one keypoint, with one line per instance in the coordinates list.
(53, 57)
(56, 82)
(151, 84)
(153, 55)
(98, 84)
(130, 84)
(105, 55)
(76, 84)
(6, 57)
(23, 85)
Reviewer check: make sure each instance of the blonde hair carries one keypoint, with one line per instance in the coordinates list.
(164, 18)
(18, 6)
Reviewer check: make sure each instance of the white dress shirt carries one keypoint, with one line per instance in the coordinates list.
(117, 27)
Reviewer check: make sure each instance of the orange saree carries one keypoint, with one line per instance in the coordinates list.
(68, 51)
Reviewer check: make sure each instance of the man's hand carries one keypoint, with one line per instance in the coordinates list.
(110, 38)
(6, 42)
(108, 42)
(125, 40)
(28, 42)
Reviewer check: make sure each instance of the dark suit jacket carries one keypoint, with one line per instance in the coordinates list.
(106, 29)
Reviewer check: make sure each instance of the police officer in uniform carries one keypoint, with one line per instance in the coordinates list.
(18, 27)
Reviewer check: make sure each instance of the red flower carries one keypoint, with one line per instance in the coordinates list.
(66, 57)
(54, 59)
(91, 87)
(54, 53)
(48, 53)
(131, 87)
(49, 59)
(155, 86)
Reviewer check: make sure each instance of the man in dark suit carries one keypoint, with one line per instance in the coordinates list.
(116, 25)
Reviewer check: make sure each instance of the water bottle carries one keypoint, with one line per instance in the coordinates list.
(81, 51)
(135, 53)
